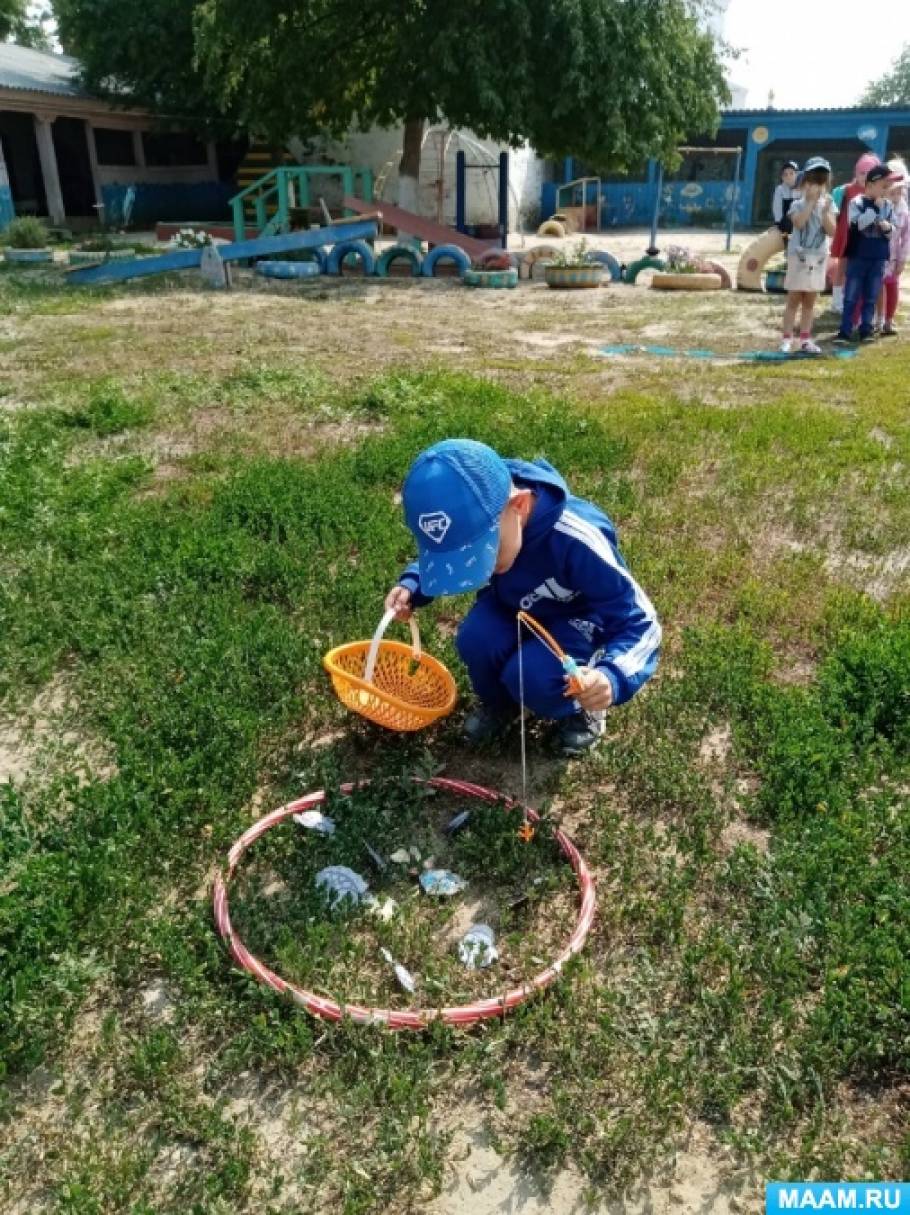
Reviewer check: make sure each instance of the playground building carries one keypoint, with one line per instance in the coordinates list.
(698, 192)
(74, 159)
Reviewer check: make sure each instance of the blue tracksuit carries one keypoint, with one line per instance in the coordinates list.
(868, 250)
(570, 576)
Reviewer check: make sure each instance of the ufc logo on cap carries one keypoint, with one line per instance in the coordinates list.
(435, 525)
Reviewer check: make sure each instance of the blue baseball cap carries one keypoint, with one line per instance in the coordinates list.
(453, 496)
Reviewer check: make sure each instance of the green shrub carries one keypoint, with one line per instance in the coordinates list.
(26, 232)
(109, 411)
(865, 685)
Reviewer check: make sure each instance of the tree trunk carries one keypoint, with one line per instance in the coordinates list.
(409, 166)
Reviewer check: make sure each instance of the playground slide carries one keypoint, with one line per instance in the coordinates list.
(416, 225)
(748, 272)
(184, 259)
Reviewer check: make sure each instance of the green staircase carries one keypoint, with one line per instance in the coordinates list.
(260, 160)
(266, 203)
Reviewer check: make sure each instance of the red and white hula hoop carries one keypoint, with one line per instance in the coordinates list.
(420, 1018)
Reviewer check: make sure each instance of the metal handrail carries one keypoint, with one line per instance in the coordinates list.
(583, 181)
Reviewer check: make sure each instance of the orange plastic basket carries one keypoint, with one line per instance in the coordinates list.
(390, 683)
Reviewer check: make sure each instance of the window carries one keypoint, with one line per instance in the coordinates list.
(114, 147)
(163, 148)
(706, 166)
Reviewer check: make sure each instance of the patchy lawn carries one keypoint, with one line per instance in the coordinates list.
(198, 497)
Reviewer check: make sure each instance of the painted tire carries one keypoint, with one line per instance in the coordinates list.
(686, 282)
(85, 257)
(609, 263)
(28, 256)
(590, 275)
(289, 269)
(568, 222)
(552, 227)
(345, 249)
(490, 257)
(445, 253)
(491, 278)
(725, 280)
(644, 263)
(541, 253)
(399, 253)
(754, 258)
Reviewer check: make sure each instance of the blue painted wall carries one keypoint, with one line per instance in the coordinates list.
(179, 200)
(7, 210)
(631, 203)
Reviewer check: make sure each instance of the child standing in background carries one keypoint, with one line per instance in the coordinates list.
(868, 250)
(814, 216)
(899, 247)
(839, 244)
(784, 194)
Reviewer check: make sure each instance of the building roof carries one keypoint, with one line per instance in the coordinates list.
(766, 112)
(39, 71)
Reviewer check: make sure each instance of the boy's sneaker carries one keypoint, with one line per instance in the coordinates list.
(786, 346)
(870, 336)
(888, 329)
(841, 339)
(581, 731)
(810, 347)
(485, 725)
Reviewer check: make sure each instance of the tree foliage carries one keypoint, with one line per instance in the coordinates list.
(894, 87)
(18, 24)
(141, 52)
(610, 81)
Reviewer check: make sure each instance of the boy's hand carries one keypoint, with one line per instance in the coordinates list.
(398, 601)
(596, 690)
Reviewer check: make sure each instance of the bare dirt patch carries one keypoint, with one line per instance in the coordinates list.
(43, 739)
(701, 1178)
(879, 576)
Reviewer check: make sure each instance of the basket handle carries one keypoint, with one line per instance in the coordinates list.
(384, 623)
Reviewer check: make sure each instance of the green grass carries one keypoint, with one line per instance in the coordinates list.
(760, 991)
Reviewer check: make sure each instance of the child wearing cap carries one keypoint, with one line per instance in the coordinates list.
(839, 244)
(899, 247)
(813, 217)
(784, 193)
(513, 531)
(868, 250)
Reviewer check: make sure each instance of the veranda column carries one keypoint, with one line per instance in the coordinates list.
(45, 138)
(93, 165)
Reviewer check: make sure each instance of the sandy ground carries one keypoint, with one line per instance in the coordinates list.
(482, 1183)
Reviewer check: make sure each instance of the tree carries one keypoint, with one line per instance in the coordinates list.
(894, 87)
(21, 23)
(142, 53)
(609, 81)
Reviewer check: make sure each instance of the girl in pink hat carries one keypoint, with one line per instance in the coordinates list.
(900, 247)
(839, 243)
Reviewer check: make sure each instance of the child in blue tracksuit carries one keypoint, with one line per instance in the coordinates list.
(512, 530)
(868, 250)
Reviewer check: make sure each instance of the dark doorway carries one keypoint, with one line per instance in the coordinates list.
(74, 167)
(841, 153)
(20, 151)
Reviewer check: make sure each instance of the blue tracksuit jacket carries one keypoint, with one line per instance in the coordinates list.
(570, 576)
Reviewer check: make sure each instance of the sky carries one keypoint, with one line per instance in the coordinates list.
(813, 52)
